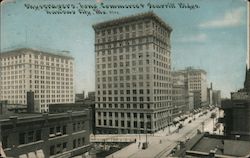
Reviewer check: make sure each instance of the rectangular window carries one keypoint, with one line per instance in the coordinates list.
(64, 129)
(21, 138)
(38, 135)
(30, 136)
(74, 143)
(52, 150)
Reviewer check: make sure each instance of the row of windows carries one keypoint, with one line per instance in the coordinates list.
(135, 106)
(122, 114)
(133, 27)
(123, 99)
(30, 136)
(128, 45)
(10, 73)
(124, 78)
(133, 38)
(122, 85)
(123, 71)
(126, 49)
(14, 77)
(36, 87)
(55, 93)
(42, 57)
(116, 92)
(127, 28)
(122, 57)
(133, 84)
(128, 35)
(62, 147)
(116, 123)
(58, 148)
(123, 106)
(20, 64)
(133, 63)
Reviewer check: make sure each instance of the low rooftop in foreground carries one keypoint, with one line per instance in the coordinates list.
(203, 145)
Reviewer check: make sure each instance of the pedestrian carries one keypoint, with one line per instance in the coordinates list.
(139, 145)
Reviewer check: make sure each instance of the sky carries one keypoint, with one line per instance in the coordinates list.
(211, 36)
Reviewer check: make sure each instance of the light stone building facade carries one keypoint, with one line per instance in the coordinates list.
(180, 94)
(133, 78)
(196, 80)
(49, 75)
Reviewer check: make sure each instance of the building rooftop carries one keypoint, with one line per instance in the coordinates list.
(191, 69)
(30, 116)
(137, 17)
(222, 146)
(38, 51)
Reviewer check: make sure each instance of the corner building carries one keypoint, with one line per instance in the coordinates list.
(133, 78)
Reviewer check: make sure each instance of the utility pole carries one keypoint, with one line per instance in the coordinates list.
(203, 123)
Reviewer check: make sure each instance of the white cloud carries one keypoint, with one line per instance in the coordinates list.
(8, 1)
(194, 38)
(231, 19)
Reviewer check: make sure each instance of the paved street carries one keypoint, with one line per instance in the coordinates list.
(160, 143)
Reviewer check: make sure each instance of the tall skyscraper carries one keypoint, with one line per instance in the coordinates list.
(133, 79)
(48, 75)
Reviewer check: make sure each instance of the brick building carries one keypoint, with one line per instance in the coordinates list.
(47, 135)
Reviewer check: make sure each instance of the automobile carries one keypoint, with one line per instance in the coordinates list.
(180, 126)
(144, 145)
(189, 121)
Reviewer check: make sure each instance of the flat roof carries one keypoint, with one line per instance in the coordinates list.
(55, 53)
(222, 146)
(31, 116)
(136, 17)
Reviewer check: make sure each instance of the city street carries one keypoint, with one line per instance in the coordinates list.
(162, 142)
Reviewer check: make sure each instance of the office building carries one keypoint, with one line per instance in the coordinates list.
(49, 75)
(217, 98)
(196, 81)
(79, 96)
(179, 94)
(45, 135)
(91, 96)
(210, 94)
(133, 74)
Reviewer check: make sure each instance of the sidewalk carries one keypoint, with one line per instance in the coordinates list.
(162, 142)
(130, 149)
